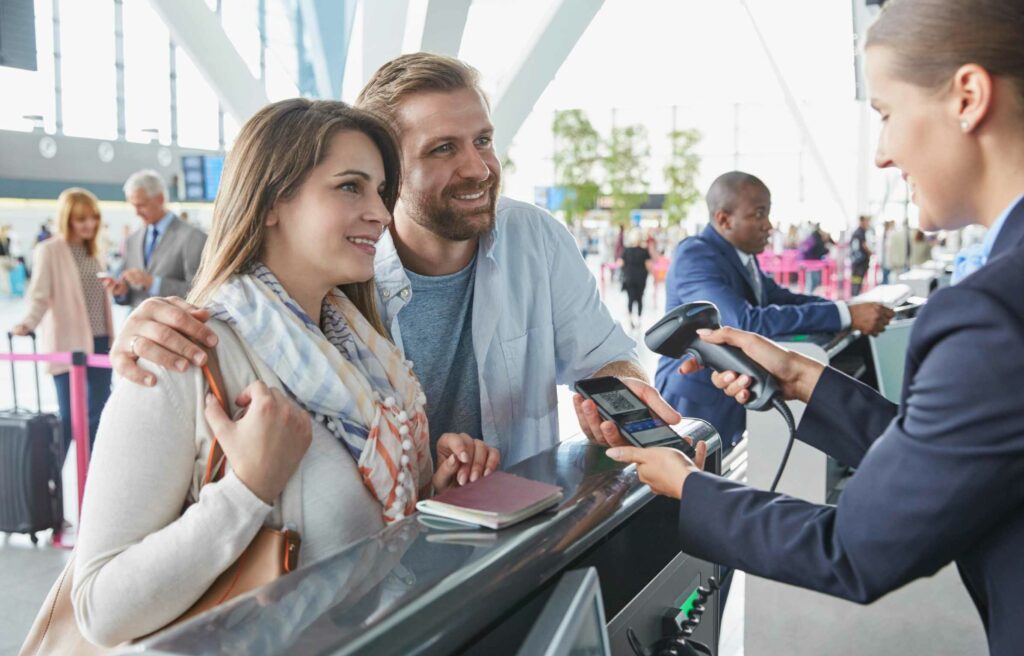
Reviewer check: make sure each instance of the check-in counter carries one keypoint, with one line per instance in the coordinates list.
(420, 587)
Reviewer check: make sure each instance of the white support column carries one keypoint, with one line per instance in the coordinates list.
(328, 23)
(444, 26)
(559, 31)
(383, 31)
(197, 30)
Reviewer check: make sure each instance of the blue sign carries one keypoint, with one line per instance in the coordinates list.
(212, 167)
(202, 176)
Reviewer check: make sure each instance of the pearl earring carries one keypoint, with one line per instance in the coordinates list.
(965, 125)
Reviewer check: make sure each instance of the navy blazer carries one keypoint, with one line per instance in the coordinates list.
(707, 268)
(939, 478)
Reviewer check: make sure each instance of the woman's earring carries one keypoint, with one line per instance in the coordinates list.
(965, 125)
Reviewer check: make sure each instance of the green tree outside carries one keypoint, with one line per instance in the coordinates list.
(681, 175)
(625, 168)
(577, 151)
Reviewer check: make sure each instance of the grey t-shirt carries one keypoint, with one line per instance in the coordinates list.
(437, 333)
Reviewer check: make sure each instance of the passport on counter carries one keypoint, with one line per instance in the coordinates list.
(495, 501)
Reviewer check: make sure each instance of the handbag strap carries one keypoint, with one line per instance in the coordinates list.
(290, 506)
(215, 461)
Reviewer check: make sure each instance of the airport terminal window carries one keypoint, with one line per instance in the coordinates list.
(240, 19)
(282, 76)
(147, 91)
(31, 92)
(88, 75)
(197, 106)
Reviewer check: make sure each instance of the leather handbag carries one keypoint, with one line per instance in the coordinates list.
(272, 554)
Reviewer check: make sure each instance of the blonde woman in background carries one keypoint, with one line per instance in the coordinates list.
(67, 302)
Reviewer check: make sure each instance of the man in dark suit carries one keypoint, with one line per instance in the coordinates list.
(162, 257)
(720, 265)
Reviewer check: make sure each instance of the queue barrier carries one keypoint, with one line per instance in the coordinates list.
(79, 361)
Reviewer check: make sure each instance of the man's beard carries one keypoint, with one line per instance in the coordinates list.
(439, 217)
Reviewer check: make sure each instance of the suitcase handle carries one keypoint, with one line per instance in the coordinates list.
(14, 378)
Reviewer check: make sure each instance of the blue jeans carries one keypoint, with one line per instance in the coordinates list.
(97, 392)
(812, 281)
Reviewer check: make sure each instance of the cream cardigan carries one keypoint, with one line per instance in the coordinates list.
(141, 561)
(56, 303)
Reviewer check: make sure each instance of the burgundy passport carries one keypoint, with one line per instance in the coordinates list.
(494, 501)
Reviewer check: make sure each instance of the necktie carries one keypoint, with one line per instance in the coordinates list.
(755, 277)
(150, 243)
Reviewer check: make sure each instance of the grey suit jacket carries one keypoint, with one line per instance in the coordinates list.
(175, 259)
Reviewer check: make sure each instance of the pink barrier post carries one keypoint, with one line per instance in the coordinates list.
(80, 421)
(79, 409)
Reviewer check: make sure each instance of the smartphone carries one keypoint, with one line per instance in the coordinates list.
(103, 274)
(637, 422)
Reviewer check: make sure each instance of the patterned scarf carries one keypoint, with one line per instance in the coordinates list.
(347, 374)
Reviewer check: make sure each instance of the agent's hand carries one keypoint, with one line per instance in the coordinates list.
(461, 460)
(265, 446)
(606, 433)
(138, 278)
(165, 331)
(114, 286)
(870, 318)
(797, 374)
(663, 469)
(21, 329)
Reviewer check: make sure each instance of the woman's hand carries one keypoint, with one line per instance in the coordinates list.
(21, 329)
(662, 468)
(266, 445)
(166, 331)
(797, 374)
(461, 460)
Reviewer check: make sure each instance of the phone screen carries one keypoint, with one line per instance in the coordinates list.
(632, 416)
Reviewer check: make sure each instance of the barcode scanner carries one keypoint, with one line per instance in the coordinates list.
(675, 335)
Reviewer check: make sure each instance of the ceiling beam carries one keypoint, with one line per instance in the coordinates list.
(559, 31)
(198, 31)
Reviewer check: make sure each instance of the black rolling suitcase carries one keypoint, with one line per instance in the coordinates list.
(31, 457)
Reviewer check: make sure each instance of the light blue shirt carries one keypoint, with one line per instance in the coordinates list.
(972, 258)
(161, 230)
(993, 232)
(537, 322)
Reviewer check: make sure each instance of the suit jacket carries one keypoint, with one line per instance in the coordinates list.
(175, 259)
(707, 268)
(939, 478)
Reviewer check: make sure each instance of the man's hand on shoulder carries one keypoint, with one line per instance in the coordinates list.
(168, 332)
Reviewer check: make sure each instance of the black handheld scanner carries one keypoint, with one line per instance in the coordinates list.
(675, 335)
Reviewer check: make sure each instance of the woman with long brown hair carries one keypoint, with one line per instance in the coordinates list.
(333, 415)
(940, 477)
(67, 302)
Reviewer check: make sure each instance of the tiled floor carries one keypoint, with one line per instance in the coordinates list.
(27, 571)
